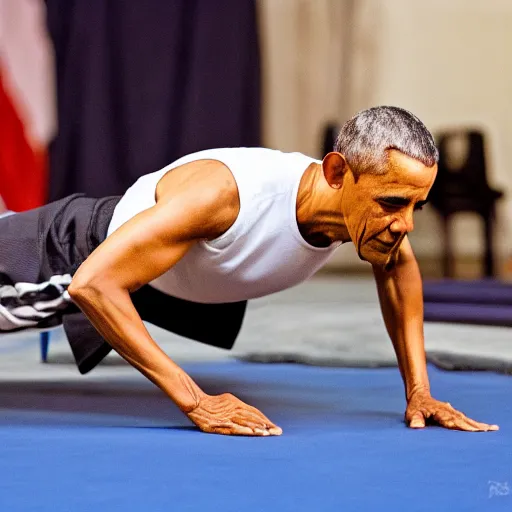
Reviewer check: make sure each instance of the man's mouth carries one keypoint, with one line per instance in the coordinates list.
(388, 244)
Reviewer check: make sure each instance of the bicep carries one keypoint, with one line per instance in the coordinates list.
(138, 252)
(153, 241)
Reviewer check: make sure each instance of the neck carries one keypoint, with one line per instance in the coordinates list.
(319, 216)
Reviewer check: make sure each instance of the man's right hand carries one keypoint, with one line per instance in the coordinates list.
(226, 414)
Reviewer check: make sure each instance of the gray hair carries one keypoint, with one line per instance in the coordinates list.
(365, 139)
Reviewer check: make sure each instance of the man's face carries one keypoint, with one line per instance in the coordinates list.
(378, 209)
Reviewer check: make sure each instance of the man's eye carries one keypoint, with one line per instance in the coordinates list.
(390, 206)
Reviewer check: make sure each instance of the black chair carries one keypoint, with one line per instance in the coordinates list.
(464, 188)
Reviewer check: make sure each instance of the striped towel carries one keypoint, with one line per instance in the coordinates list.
(25, 305)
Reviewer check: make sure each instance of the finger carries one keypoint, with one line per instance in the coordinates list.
(261, 417)
(417, 420)
(275, 431)
(247, 420)
(240, 430)
(461, 424)
(455, 424)
(250, 419)
(264, 427)
(457, 421)
(272, 428)
(228, 428)
(258, 427)
(261, 432)
(481, 426)
(476, 424)
(261, 420)
(242, 425)
(255, 416)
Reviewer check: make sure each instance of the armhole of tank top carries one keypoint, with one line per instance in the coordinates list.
(230, 234)
(133, 202)
(224, 240)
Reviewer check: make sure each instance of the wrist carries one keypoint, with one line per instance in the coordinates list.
(417, 389)
(182, 390)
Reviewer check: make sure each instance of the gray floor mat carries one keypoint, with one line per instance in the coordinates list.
(460, 362)
(328, 321)
(337, 322)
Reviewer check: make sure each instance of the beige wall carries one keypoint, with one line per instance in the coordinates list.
(302, 70)
(447, 61)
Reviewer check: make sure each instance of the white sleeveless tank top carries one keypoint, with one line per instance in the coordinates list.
(262, 252)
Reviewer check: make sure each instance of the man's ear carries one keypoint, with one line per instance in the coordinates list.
(335, 167)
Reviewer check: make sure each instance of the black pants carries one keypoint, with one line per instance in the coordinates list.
(57, 238)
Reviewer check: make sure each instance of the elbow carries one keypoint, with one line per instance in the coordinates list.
(81, 289)
(84, 290)
(76, 289)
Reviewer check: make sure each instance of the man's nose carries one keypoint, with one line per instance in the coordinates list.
(403, 224)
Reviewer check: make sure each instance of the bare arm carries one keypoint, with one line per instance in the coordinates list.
(194, 202)
(141, 250)
(401, 298)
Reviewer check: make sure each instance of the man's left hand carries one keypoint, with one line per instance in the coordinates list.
(422, 407)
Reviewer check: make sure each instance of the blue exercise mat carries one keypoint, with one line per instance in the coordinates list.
(121, 445)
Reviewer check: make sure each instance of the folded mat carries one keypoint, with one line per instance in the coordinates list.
(484, 291)
(331, 321)
(477, 302)
(476, 314)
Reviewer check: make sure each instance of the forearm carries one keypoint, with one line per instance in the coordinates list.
(113, 314)
(401, 299)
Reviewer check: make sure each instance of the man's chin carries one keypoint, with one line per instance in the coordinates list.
(384, 260)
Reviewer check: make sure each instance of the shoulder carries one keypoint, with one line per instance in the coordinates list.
(205, 191)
